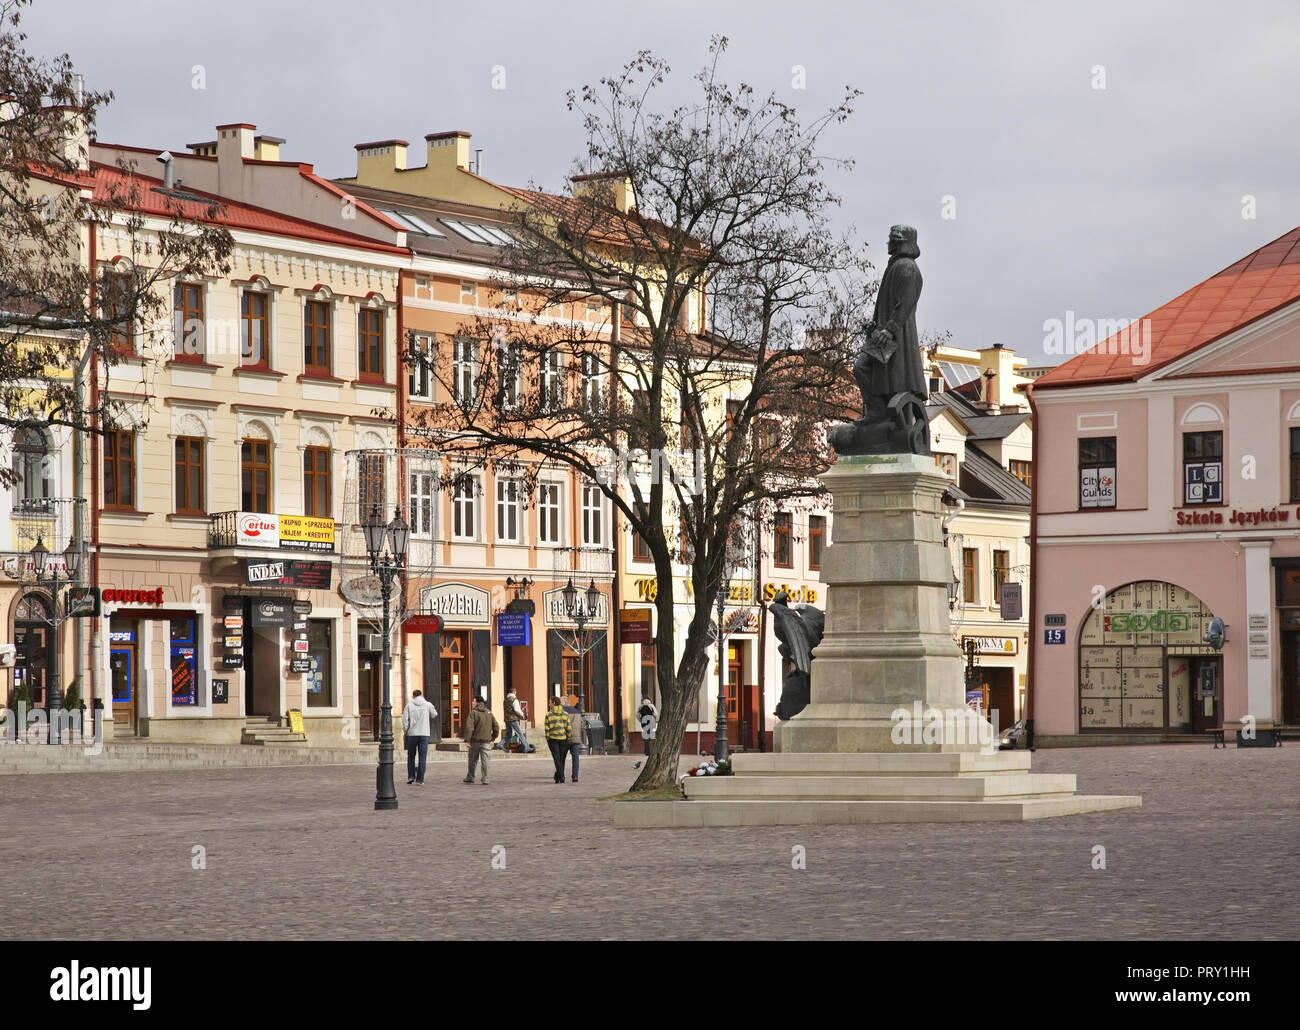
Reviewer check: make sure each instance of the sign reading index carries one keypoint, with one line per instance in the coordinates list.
(302, 575)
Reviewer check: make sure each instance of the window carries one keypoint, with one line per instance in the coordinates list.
(119, 469)
(31, 484)
(420, 380)
(734, 410)
(370, 344)
(508, 511)
(255, 476)
(1097, 472)
(640, 549)
(1001, 563)
(371, 496)
(593, 391)
(816, 540)
(593, 311)
(782, 547)
(464, 370)
(1023, 471)
(188, 317)
(947, 464)
(690, 422)
(463, 522)
(640, 411)
(184, 668)
(116, 305)
(685, 552)
(509, 368)
(320, 652)
(548, 513)
(551, 394)
(968, 574)
(1295, 464)
(316, 336)
(1203, 468)
(468, 292)
(254, 337)
(592, 529)
(189, 475)
(420, 486)
(316, 482)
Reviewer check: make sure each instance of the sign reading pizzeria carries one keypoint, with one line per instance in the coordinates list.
(457, 604)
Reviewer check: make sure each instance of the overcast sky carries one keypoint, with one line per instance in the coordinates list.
(1102, 201)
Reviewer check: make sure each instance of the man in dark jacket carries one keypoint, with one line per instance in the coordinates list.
(480, 729)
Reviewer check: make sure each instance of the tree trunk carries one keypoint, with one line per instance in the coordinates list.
(679, 702)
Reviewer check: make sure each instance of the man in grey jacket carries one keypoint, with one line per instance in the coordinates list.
(417, 724)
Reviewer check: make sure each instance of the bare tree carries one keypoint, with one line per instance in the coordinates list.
(675, 327)
(58, 311)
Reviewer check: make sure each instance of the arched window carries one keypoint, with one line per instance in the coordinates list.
(30, 465)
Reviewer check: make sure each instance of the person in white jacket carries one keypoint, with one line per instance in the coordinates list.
(417, 724)
(648, 716)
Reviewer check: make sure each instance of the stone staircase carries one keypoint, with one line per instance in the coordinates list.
(132, 756)
(262, 731)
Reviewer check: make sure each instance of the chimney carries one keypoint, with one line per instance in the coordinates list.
(234, 144)
(1001, 393)
(70, 135)
(169, 168)
(614, 188)
(267, 148)
(447, 150)
(377, 160)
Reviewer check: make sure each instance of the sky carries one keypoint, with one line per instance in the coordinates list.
(1095, 158)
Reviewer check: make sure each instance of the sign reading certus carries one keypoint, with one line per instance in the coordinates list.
(303, 575)
(273, 612)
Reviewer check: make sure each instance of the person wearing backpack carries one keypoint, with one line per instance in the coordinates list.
(648, 716)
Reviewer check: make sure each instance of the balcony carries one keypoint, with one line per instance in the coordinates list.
(259, 531)
(54, 520)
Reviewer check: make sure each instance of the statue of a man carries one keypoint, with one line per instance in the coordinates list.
(888, 370)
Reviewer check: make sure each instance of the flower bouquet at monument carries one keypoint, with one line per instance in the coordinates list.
(708, 767)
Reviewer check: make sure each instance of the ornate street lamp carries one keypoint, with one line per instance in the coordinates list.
(72, 568)
(388, 566)
(582, 609)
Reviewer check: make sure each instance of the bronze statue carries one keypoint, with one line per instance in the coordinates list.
(800, 630)
(888, 370)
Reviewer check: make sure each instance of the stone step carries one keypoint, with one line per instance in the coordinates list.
(630, 815)
(900, 763)
(1003, 786)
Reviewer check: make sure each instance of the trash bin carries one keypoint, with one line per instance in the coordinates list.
(594, 731)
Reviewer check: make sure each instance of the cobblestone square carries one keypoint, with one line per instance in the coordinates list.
(294, 853)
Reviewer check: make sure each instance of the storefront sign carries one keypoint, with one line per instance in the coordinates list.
(234, 643)
(993, 645)
(739, 591)
(300, 647)
(184, 677)
(1148, 622)
(121, 636)
(303, 575)
(301, 608)
(1011, 604)
(232, 661)
(1097, 487)
(300, 665)
(514, 629)
(301, 533)
(634, 626)
(795, 595)
(232, 602)
(220, 692)
(1257, 622)
(82, 602)
(557, 614)
(295, 720)
(253, 529)
(273, 612)
(133, 596)
(234, 622)
(422, 624)
(1260, 518)
(459, 604)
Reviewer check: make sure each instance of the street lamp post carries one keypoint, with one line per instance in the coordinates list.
(720, 726)
(581, 609)
(387, 565)
(72, 565)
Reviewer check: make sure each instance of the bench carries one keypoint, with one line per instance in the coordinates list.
(1265, 736)
(1217, 733)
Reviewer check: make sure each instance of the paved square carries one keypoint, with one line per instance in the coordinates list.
(299, 853)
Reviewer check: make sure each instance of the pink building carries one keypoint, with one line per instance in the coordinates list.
(1167, 494)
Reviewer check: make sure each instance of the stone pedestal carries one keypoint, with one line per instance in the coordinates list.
(887, 736)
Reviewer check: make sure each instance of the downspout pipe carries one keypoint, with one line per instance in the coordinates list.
(620, 727)
(1033, 570)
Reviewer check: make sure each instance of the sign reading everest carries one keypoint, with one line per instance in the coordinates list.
(458, 604)
(291, 532)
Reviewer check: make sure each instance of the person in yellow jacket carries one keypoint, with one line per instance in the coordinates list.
(557, 736)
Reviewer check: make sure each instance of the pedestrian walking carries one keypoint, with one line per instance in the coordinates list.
(576, 729)
(515, 724)
(480, 729)
(648, 716)
(557, 736)
(417, 724)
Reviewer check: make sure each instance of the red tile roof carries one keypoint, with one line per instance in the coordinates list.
(150, 200)
(1257, 285)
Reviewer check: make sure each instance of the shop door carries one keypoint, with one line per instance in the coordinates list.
(1291, 678)
(29, 669)
(122, 671)
(1001, 696)
(368, 675)
(1207, 693)
(734, 655)
(454, 671)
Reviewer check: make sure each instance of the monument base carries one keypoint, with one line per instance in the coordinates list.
(801, 789)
